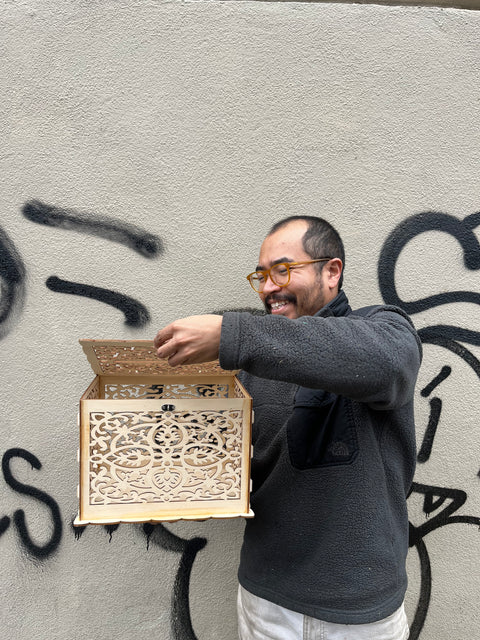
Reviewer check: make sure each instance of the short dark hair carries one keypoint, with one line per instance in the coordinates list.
(320, 240)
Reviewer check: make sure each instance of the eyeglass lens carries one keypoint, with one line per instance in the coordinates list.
(279, 274)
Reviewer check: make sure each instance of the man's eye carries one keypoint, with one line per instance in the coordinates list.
(259, 277)
(281, 270)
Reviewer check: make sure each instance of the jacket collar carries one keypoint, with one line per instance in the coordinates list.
(337, 307)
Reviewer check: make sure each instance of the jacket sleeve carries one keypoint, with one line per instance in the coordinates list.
(372, 359)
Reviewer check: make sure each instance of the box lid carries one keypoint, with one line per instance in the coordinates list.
(138, 357)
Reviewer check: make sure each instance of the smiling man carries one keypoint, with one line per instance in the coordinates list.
(293, 284)
(334, 442)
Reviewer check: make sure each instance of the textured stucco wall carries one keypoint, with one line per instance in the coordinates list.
(202, 123)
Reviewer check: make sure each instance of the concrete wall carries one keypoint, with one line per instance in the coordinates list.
(146, 147)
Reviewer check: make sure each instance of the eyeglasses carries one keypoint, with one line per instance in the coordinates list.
(279, 274)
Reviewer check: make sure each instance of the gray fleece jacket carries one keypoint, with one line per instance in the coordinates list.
(334, 457)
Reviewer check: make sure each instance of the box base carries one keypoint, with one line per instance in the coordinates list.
(82, 523)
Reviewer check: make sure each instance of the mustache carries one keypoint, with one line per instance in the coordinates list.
(278, 297)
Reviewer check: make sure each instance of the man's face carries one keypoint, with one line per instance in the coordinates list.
(307, 292)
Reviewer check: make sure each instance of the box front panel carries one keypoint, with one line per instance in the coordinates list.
(145, 459)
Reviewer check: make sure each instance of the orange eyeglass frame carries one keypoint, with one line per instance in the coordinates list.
(288, 265)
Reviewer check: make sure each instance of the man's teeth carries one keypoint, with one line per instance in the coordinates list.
(277, 305)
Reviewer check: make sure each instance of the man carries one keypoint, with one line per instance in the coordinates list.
(334, 443)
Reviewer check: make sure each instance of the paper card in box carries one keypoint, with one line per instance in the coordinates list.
(169, 446)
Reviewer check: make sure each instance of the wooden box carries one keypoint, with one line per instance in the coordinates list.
(161, 443)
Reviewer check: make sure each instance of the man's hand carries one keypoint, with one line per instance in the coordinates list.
(190, 340)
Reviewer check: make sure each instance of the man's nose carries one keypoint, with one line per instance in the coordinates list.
(270, 286)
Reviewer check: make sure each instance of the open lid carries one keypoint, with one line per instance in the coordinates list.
(138, 357)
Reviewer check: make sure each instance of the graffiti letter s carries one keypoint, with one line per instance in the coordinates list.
(19, 516)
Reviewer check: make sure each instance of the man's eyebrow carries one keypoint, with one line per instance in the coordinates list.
(279, 261)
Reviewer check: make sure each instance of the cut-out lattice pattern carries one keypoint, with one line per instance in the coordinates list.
(139, 390)
(93, 391)
(140, 358)
(238, 389)
(149, 457)
(124, 354)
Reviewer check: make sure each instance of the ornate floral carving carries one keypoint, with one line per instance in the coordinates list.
(117, 390)
(142, 359)
(152, 457)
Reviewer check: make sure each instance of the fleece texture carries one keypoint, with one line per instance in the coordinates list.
(334, 457)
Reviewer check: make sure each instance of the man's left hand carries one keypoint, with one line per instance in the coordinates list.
(190, 340)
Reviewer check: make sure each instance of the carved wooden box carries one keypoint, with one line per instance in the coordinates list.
(159, 443)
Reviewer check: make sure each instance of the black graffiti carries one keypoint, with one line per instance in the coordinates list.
(181, 622)
(136, 314)
(158, 535)
(443, 375)
(412, 227)
(78, 530)
(4, 524)
(12, 283)
(13, 272)
(433, 499)
(448, 337)
(441, 501)
(431, 430)
(435, 412)
(110, 529)
(451, 338)
(146, 244)
(38, 551)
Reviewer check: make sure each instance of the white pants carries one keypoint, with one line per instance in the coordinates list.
(259, 619)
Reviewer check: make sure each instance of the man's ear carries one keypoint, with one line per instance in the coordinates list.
(334, 270)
